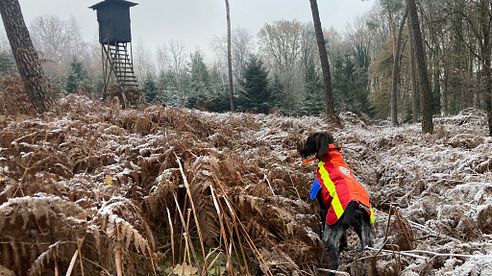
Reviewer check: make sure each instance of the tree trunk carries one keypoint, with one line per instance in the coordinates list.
(445, 93)
(437, 83)
(25, 55)
(325, 65)
(435, 32)
(415, 84)
(427, 124)
(478, 92)
(229, 56)
(396, 71)
(486, 52)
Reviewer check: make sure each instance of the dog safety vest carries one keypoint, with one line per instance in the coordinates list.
(338, 187)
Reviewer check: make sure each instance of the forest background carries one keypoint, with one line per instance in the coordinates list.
(277, 69)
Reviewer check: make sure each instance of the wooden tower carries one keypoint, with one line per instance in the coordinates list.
(115, 37)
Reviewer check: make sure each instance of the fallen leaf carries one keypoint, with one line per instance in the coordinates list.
(108, 180)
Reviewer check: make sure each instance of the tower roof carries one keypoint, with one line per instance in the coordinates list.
(112, 2)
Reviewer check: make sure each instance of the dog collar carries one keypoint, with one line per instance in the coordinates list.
(307, 161)
(334, 146)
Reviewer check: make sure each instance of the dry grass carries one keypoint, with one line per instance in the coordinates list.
(96, 190)
(144, 191)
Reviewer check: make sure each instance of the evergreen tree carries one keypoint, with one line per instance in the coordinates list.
(77, 77)
(254, 93)
(219, 100)
(314, 92)
(277, 92)
(168, 87)
(98, 86)
(350, 85)
(150, 89)
(200, 86)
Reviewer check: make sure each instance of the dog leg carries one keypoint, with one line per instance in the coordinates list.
(343, 242)
(322, 214)
(363, 230)
(366, 234)
(331, 236)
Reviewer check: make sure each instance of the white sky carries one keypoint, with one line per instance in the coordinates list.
(197, 22)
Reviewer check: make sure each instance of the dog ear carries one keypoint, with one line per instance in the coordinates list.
(301, 145)
(323, 142)
(322, 145)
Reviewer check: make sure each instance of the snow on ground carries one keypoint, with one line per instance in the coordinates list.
(116, 164)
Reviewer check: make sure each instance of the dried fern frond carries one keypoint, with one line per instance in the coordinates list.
(40, 264)
(122, 221)
(406, 235)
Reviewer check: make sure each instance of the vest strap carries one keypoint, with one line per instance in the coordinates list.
(330, 186)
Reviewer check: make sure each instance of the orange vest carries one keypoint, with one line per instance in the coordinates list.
(339, 186)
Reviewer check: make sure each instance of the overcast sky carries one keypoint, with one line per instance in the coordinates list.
(197, 22)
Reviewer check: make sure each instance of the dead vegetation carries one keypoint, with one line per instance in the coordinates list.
(91, 189)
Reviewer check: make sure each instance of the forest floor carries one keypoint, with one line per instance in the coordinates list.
(97, 190)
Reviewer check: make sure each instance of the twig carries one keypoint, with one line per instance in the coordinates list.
(79, 248)
(269, 184)
(333, 271)
(172, 233)
(404, 253)
(423, 228)
(213, 261)
(452, 255)
(57, 269)
(414, 253)
(234, 223)
(117, 261)
(72, 263)
(386, 232)
(427, 230)
(248, 239)
(98, 265)
(188, 217)
(221, 224)
(74, 258)
(294, 186)
(185, 226)
(427, 266)
(195, 215)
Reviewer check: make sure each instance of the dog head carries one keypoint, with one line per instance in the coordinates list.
(316, 144)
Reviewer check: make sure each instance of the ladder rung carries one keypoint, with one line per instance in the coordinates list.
(125, 73)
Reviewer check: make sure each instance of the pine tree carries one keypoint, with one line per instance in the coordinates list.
(77, 77)
(219, 99)
(200, 82)
(168, 87)
(277, 92)
(314, 98)
(254, 90)
(350, 85)
(150, 89)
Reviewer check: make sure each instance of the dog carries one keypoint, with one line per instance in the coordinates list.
(343, 202)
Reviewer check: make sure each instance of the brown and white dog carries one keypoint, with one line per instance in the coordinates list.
(343, 201)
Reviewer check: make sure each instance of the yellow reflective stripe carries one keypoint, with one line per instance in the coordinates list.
(372, 219)
(335, 202)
